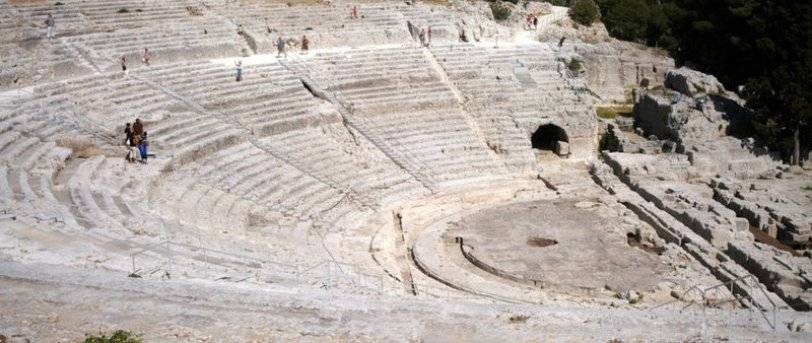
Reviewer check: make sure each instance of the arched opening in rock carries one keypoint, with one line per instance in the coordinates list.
(552, 138)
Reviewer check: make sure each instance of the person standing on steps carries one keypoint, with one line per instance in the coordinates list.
(142, 147)
(124, 65)
(354, 13)
(138, 131)
(238, 65)
(128, 132)
(146, 57)
(428, 35)
(280, 47)
(129, 143)
(305, 44)
(50, 23)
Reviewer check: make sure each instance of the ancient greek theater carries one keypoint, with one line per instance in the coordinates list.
(376, 171)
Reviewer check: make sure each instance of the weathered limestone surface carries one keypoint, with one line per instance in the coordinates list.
(717, 185)
(316, 198)
(692, 83)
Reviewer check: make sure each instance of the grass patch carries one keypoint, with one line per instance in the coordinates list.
(82, 148)
(613, 111)
(636, 300)
(119, 336)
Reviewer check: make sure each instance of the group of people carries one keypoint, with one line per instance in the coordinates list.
(146, 56)
(136, 141)
(532, 22)
(422, 34)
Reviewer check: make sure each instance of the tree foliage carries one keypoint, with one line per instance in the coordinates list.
(584, 12)
(499, 10)
(763, 45)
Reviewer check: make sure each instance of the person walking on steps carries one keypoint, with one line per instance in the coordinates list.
(428, 36)
(238, 65)
(50, 22)
(280, 47)
(354, 13)
(124, 65)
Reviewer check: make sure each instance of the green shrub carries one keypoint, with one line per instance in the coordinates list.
(584, 12)
(499, 10)
(119, 336)
(575, 65)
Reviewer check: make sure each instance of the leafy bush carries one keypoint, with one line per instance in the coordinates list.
(499, 10)
(585, 12)
(575, 65)
(119, 336)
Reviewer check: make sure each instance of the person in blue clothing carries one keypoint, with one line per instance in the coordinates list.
(142, 147)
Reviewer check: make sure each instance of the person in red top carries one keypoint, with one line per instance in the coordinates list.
(354, 13)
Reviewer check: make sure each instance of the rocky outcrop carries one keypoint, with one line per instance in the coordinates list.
(693, 83)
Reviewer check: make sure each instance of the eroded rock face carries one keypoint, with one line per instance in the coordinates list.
(724, 189)
(613, 66)
(673, 116)
(692, 83)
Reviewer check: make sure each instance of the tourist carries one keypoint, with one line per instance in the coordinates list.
(535, 23)
(354, 13)
(280, 47)
(50, 22)
(142, 147)
(238, 64)
(138, 130)
(422, 36)
(146, 57)
(305, 44)
(130, 156)
(428, 35)
(128, 132)
(268, 27)
(124, 65)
